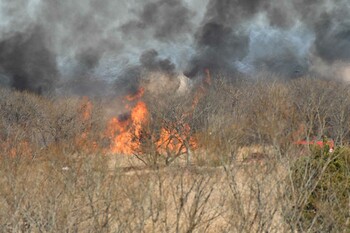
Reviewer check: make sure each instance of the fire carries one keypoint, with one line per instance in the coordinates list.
(126, 134)
(175, 142)
(129, 133)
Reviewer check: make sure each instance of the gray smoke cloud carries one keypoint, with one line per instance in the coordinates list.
(28, 62)
(277, 36)
(97, 47)
(164, 20)
(130, 79)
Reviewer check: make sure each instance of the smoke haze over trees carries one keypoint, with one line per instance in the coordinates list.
(84, 46)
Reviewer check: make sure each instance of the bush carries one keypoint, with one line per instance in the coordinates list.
(322, 184)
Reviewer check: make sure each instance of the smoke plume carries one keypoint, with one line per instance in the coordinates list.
(91, 47)
(28, 62)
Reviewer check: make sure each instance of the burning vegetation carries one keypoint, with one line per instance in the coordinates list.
(174, 116)
(240, 137)
(125, 132)
(136, 131)
(131, 134)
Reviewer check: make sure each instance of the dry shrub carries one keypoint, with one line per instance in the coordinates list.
(320, 191)
(79, 193)
(56, 177)
(31, 123)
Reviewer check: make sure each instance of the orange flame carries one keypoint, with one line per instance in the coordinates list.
(174, 142)
(128, 132)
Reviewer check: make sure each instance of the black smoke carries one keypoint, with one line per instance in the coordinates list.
(332, 38)
(27, 60)
(222, 38)
(150, 61)
(165, 20)
(129, 80)
(89, 45)
(217, 45)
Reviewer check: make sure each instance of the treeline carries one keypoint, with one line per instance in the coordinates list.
(265, 111)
